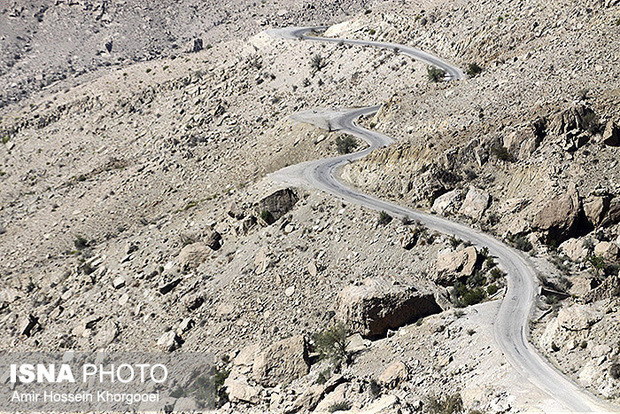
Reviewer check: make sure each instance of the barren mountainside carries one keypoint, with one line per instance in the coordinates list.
(142, 206)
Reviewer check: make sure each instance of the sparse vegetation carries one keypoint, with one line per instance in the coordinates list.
(346, 144)
(266, 216)
(332, 344)
(520, 243)
(5, 139)
(80, 242)
(597, 263)
(502, 154)
(451, 404)
(435, 74)
(339, 406)
(384, 218)
(317, 62)
(473, 69)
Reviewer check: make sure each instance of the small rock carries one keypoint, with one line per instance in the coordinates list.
(122, 301)
(118, 282)
(169, 341)
(289, 291)
(611, 135)
(393, 375)
(28, 324)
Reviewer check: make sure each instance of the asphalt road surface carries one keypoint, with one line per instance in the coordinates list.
(512, 320)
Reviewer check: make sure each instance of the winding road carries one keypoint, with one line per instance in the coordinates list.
(512, 320)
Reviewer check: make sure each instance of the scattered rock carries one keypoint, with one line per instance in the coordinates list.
(384, 405)
(118, 282)
(261, 261)
(282, 362)
(378, 305)
(193, 301)
(409, 240)
(475, 204)
(240, 391)
(106, 335)
(27, 325)
(213, 240)
(578, 117)
(197, 45)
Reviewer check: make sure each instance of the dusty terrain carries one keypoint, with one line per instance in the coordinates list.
(132, 191)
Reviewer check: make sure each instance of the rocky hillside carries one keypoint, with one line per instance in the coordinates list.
(53, 45)
(136, 214)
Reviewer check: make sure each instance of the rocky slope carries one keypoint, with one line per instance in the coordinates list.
(135, 214)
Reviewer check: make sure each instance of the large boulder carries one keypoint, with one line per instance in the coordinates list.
(575, 249)
(476, 202)
(611, 135)
(394, 374)
(607, 250)
(594, 208)
(278, 203)
(281, 363)
(377, 305)
(613, 213)
(559, 216)
(578, 317)
(447, 203)
(452, 265)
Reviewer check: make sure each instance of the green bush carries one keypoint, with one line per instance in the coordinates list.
(332, 344)
(384, 218)
(435, 74)
(492, 289)
(346, 144)
(522, 243)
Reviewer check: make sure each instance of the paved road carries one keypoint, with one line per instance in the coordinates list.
(511, 323)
